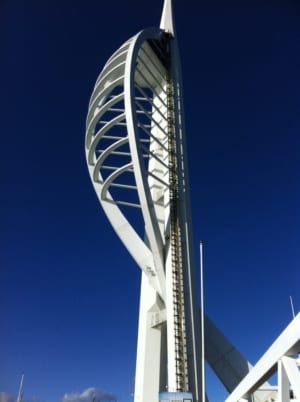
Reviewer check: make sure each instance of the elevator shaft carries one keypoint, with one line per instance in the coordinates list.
(181, 367)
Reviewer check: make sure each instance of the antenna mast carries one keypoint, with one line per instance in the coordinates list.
(292, 306)
(20, 395)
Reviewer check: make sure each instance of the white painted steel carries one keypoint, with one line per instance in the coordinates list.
(285, 347)
(229, 365)
(135, 143)
(167, 20)
(113, 100)
(137, 160)
(292, 373)
(283, 384)
(225, 360)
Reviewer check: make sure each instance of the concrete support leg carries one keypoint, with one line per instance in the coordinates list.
(148, 375)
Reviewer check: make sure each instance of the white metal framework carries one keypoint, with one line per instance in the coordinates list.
(282, 357)
(136, 156)
(135, 150)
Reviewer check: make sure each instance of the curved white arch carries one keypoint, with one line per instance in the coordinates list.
(131, 131)
(106, 121)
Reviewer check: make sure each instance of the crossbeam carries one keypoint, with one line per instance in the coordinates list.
(287, 344)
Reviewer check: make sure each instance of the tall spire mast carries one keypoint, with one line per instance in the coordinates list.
(167, 20)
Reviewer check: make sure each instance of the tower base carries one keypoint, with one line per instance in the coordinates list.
(175, 396)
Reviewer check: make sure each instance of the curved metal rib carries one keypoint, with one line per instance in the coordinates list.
(126, 148)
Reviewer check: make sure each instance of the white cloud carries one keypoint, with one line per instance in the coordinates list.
(89, 395)
(6, 397)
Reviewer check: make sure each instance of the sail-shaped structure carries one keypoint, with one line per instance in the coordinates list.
(135, 148)
(136, 155)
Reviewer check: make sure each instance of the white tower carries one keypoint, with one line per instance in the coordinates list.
(135, 148)
(136, 155)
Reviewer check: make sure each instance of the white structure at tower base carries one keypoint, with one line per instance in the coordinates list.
(282, 357)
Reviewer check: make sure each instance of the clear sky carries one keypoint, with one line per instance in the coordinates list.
(68, 289)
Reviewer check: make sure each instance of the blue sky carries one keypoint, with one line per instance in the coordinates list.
(68, 289)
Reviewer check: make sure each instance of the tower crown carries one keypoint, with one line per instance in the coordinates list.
(167, 20)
